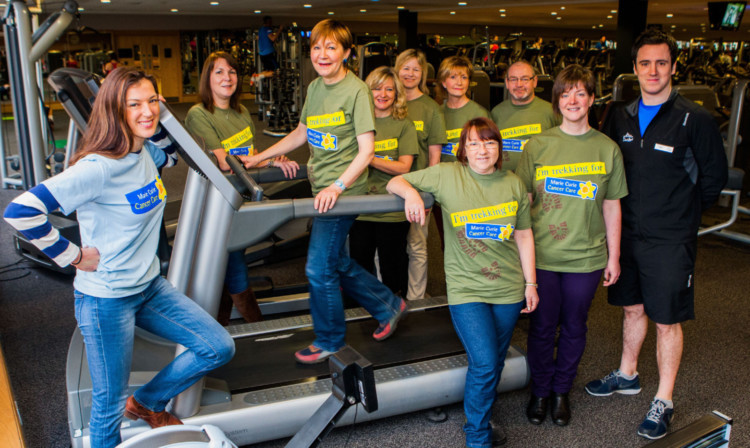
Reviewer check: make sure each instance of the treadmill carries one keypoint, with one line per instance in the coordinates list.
(263, 394)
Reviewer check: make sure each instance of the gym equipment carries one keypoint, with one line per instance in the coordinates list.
(256, 398)
(180, 436)
(710, 431)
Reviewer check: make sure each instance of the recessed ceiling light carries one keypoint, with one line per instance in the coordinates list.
(307, 6)
(558, 18)
(609, 17)
(106, 1)
(453, 13)
(461, 3)
(614, 11)
(400, 7)
(562, 7)
(670, 15)
(214, 3)
(553, 13)
(502, 10)
(362, 10)
(330, 13)
(257, 11)
(502, 15)
(175, 10)
(80, 9)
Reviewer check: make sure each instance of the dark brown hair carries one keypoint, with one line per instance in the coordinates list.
(654, 37)
(108, 132)
(204, 91)
(568, 78)
(486, 129)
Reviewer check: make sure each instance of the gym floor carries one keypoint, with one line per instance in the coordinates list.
(36, 321)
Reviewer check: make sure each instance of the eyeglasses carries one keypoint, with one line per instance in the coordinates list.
(489, 145)
(523, 80)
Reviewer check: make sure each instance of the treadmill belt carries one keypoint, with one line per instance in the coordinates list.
(268, 360)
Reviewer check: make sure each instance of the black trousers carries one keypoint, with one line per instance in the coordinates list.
(389, 239)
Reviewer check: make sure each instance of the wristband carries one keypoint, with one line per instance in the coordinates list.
(78, 259)
(339, 183)
(531, 284)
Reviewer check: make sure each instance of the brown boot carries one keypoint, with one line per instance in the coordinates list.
(134, 411)
(225, 308)
(247, 305)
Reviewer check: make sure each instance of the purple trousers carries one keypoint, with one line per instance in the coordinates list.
(564, 301)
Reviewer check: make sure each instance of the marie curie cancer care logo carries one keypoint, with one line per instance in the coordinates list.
(146, 198)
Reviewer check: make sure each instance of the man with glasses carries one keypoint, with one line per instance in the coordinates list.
(523, 116)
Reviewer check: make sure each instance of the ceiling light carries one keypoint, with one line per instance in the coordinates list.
(670, 15)
(214, 3)
(562, 7)
(609, 17)
(330, 13)
(461, 3)
(558, 18)
(502, 15)
(257, 11)
(80, 9)
(362, 10)
(400, 7)
(307, 6)
(601, 26)
(453, 13)
(106, 1)
(175, 10)
(553, 13)
(502, 10)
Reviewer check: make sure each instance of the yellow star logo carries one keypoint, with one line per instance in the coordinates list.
(586, 191)
(160, 187)
(328, 142)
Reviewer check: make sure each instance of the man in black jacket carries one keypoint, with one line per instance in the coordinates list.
(675, 167)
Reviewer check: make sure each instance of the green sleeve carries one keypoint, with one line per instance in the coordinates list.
(525, 167)
(408, 144)
(198, 124)
(523, 215)
(617, 188)
(437, 128)
(427, 180)
(364, 112)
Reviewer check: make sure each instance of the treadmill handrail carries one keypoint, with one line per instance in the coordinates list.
(256, 191)
(255, 221)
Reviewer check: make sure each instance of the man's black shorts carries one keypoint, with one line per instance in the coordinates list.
(659, 276)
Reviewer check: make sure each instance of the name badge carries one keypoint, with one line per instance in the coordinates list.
(489, 231)
(664, 148)
(572, 188)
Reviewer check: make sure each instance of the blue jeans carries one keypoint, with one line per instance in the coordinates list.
(329, 270)
(485, 331)
(108, 326)
(235, 279)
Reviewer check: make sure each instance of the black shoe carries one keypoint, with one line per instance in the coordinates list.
(536, 411)
(498, 435)
(560, 409)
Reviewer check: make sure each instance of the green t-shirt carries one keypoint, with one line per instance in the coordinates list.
(430, 124)
(335, 115)
(455, 119)
(393, 139)
(518, 123)
(570, 176)
(224, 128)
(480, 214)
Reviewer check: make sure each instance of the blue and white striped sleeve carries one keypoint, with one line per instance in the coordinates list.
(28, 214)
(164, 142)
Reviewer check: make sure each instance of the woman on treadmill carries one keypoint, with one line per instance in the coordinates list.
(226, 128)
(114, 186)
(395, 148)
(338, 124)
(489, 260)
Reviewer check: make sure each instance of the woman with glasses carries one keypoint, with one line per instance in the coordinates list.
(489, 260)
(575, 177)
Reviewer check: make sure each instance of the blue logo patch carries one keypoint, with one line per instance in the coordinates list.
(241, 151)
(449, 149)
(388, 158)
(489, 231)
(145, 199)
(322, 140)
(572, 188)
(513, 145)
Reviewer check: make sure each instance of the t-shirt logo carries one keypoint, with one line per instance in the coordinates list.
(320, 140)
(513, 144)
(559, 232)
(449, 149)
(520, 131)
(419, 125)
(497, 232)
(234, 142)
(146, 198)
(386, 145)
(492, 272)
(453, 134)
(627, 138)
(573, 169)
(484, 214)
(321, 121)
(570, 187)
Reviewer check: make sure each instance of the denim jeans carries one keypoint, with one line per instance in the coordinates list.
(108, 326)
(329, 269)
(485, 331)
(235, 279)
